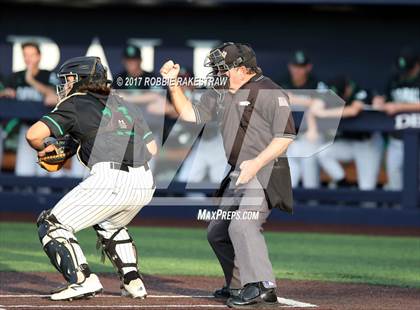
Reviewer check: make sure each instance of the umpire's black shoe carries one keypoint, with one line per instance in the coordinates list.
(254, 295)
(223, 292)
(226, 292)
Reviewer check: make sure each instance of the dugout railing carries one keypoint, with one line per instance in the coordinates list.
(401, 208)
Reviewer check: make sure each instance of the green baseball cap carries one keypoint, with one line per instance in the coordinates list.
(299, 58)
(132, 52)
(407, 60)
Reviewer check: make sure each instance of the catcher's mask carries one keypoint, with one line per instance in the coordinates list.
(227, 56)
(79, 71)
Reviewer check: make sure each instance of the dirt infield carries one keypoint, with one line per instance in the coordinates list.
(29, 291)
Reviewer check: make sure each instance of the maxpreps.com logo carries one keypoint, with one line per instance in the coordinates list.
(407, 120)
(219, 214)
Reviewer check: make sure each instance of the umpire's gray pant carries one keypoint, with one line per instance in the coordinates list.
(239, 243)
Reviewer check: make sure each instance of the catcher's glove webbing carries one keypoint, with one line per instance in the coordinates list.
(64, 148)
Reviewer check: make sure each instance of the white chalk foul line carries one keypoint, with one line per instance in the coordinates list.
(285, 301)
(122, 306)
(116, 306)
(295, 303)
(107, 296)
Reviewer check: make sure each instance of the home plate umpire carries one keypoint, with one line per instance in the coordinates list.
(257, 127)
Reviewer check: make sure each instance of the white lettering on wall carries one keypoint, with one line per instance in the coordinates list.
(403, 121)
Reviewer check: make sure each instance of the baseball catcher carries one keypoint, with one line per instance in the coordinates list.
(111, 138)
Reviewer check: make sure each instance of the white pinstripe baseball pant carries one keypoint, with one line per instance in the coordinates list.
(108, 198)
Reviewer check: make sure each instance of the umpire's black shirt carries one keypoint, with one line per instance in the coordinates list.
(89, 118)
(266, 115)
(261, 108)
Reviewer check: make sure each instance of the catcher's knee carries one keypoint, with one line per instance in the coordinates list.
(59, 245)
(119, 247)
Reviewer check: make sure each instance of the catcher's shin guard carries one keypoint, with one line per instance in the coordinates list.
(62, 248)
(120, 249)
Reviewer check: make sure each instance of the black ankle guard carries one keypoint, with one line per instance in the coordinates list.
(129, 276)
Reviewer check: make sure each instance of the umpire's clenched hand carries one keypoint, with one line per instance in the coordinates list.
(249, 169)
(170, 70)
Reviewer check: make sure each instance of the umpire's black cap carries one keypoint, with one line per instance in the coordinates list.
(240, 54)
(132, 52)
(231, 55)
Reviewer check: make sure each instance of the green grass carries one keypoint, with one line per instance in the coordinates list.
(181, 251)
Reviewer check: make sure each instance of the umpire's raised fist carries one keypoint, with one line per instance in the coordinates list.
(170, 70)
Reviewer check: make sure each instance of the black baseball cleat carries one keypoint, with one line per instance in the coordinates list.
(254, 295)
(225, 292)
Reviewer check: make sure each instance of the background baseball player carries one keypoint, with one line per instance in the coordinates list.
(31, 84)
(402, 95)
(365, 148)
(257, 128)
(115, 144)
(299, 82)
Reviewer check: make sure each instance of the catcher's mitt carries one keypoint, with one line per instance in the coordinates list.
(63, 149)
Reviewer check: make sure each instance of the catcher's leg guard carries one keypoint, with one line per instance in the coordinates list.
(121, 251)
(62, 248)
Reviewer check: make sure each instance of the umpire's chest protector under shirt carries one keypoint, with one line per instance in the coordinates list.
(249, 119)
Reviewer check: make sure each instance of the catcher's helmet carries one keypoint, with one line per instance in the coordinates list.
(83, 70)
